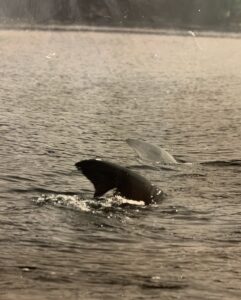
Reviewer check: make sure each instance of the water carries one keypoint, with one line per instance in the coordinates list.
(67, 96)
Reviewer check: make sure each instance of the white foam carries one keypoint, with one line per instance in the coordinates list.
(74, 202)
(120, 200)
(77, 203)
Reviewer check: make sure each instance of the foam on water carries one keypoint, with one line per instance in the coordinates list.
(73, 202)
(78, 203)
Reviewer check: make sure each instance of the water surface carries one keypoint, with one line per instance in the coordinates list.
(67, 96)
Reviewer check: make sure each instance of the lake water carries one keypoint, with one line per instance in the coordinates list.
(68, 96)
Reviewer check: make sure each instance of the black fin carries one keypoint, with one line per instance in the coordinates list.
(101, 176)
(106, 176)
(101, 184)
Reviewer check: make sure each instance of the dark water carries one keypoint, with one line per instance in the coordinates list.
(70, 96)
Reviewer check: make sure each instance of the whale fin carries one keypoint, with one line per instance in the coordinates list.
(101, 178)
(150, 152)
(106, 176)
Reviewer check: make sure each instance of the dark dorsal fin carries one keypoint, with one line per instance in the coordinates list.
(101, 176)
(106, 176)
(101, 184)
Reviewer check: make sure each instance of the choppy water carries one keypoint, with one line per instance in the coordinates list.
(67, 96)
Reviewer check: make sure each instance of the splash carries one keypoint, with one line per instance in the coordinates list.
(72, 202)
(77, 202)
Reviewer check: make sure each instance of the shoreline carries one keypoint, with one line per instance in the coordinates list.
(187, 31)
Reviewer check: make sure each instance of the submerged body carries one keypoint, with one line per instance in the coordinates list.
(106, 176)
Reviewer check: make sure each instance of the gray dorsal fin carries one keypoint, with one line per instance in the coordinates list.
(151, 153)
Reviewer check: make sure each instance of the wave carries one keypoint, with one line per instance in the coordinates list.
(222, 163)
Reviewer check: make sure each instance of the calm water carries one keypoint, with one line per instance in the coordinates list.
(67, 96)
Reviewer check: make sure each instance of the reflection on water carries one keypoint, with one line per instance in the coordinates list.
(67, 96)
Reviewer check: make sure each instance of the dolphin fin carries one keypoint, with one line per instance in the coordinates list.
(150, 152)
